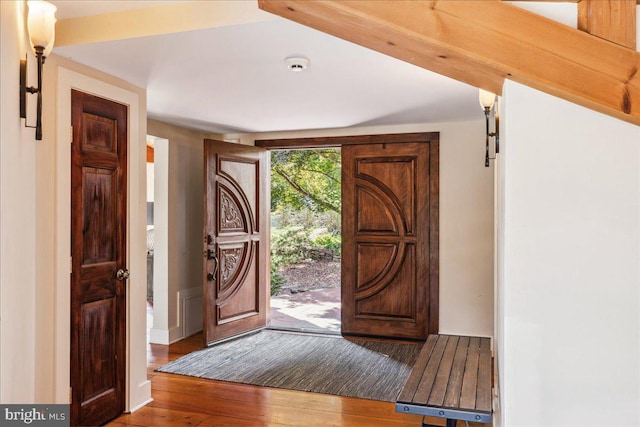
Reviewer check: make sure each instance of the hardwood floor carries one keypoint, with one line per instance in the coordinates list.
(188, 401)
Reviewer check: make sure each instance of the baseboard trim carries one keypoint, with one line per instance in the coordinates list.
(165, 336)
(190, 304)
(140, 406)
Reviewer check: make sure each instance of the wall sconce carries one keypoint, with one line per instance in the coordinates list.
(487, 100)
(41, 23)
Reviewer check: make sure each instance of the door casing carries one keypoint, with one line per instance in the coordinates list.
(137, 386)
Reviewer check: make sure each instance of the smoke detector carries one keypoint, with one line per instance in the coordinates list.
(297, 63)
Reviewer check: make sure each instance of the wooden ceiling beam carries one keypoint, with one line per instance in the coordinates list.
(565, 1)
(613, 20)
(482, 43)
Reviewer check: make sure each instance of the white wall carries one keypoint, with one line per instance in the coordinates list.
(179, 216)
(161, 330)
(150, 182)
(18, 327)
(466, 219)
(568, 280)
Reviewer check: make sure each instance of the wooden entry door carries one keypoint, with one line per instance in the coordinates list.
(390, 239)
(98, 249)
(235, 240)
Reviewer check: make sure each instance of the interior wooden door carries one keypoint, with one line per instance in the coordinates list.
(235, 240)
(98, 245)
(390, 239)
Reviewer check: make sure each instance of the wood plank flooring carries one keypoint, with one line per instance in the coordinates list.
(188, 401)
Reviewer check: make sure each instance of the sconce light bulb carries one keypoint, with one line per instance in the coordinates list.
(486, 99)
(49, 48)
(41, 24)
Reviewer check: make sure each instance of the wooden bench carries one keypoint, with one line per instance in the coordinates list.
(451, 379)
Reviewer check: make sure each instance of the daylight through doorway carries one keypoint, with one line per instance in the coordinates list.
(306, 240)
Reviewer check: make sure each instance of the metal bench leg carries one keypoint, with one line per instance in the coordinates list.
(450, 423)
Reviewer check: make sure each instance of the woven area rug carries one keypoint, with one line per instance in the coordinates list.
(324, 364)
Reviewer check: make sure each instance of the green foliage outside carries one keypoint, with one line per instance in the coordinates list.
(294, 244)
(305, 208)
(329, 242)
(276, 280)
(306, 179)
(289, 245)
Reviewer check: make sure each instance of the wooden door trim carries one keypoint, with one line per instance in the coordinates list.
(434, 235)
(339, 141)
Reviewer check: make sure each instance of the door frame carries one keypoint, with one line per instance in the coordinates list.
(137, 387)
(433, 138)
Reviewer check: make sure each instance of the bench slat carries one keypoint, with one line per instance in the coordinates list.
(452, 397)
(410, 387)
(451, 379)
(444, 371)
(428, 378)
(483, 401)
(470, 377)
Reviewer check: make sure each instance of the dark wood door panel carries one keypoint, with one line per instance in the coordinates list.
(98, 245)
(391, 180)
(96, 354)
(98, 282)
(239, 283)
(235, 245)
(100, 215)
(99, 135)
(241, 177)
(375, 261)
(389, 280)
(392, 295)
(233, 214)
(375, 214)
(235, 260)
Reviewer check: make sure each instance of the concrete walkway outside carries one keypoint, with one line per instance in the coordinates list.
(316, 311)
(311, 311)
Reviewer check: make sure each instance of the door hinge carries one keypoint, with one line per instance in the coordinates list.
(70, 265)
(70, 134)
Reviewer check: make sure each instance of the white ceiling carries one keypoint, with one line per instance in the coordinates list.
(234, 79)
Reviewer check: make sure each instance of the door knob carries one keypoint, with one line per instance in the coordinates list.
(122, 274)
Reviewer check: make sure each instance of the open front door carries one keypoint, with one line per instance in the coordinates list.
(390, 239)
(235, 240)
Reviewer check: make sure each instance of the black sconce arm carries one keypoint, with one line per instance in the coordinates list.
(487, 113)
(24, 89)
